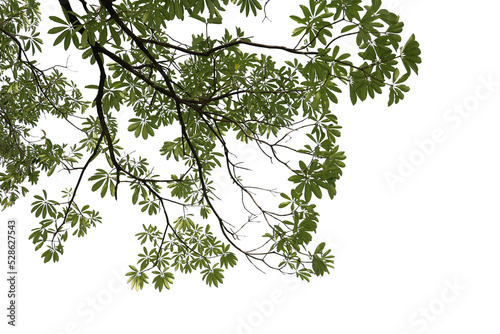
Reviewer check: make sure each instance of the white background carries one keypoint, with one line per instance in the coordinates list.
(420, 256)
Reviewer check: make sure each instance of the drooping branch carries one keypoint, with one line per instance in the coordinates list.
(207, 90)
(77, 186)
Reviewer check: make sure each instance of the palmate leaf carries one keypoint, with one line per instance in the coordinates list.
(163, 280)
(43, 206)
(104, 182)
(137, 278)
(213, 276)
(228, 259)
(144, 127)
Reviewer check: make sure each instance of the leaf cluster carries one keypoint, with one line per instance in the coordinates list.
(191, 97)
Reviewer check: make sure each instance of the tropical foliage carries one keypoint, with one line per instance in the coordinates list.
(195, 97)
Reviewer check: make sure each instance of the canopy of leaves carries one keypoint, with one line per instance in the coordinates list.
(202, 90)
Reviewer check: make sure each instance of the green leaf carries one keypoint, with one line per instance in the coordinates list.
(58, 20)
(319, 266)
